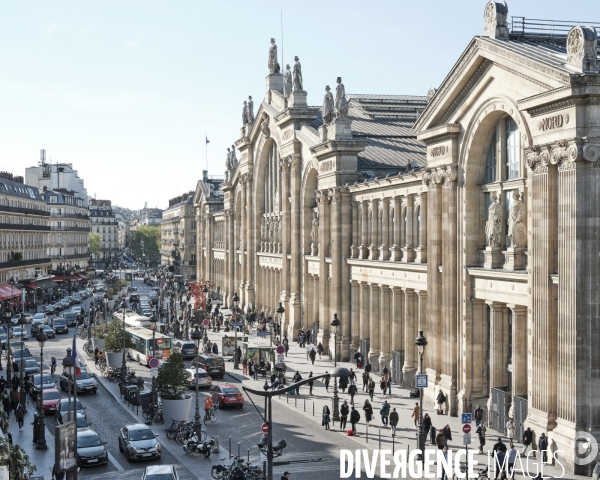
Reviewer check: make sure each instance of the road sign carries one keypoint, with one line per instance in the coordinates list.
(466, 428)
(466, 418)
(265, 428)
(280, 350)
(153, 363)
(236, 324)
(263, 334)
(206, 322)
(467, 439)
(154, 372)
(422, 381)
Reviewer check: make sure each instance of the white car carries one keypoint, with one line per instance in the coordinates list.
(16, 319)
(18, 331)
(39, 319)
(76, 310)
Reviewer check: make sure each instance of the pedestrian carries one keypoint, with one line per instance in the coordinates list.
(368, 409)
(352, 390)
(307, 335)
(426, 422)
(344, 411)
(343, 382)
(499, 453)
(301, 340)
(543, 447)
(384, 411)
(310, 383)
(245, 366)
(512, 457)
(309, 349)
(394, 418)
(527, 439)
(432, 435)
(596, 472)
(365, 379)
(15, 382)
(285, 476)
(440, 440)
(352, 376)
(478, 415)
(371, 388)
(27, 388)
(14, 399)
(20, 414)
(440, 400)
(312, 356)
(326, 417)
(326, 380)
(444, 474)
(389, 384)
(415, 414)
(320, 349)
(383, 384)
(296, 379)
(52, 365)
(96, 354)
(354, 419)
(255, 371)
(481, 434)
(356, 358)
(2, 383)
(286, 345)
(215, 349)
(6, 401)
(368, 367)
(447, 435)
(510, 430)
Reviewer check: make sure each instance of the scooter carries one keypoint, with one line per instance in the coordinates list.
(191, 445)
(277, 448)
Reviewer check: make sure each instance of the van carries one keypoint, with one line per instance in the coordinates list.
(212, 363)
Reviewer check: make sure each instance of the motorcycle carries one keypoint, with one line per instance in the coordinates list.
(277, 448)
(191, 445)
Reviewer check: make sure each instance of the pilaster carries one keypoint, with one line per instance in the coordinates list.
(385, 323)
(295, 300)
(373, 248)
(408, 252)
(384, 248)
(396, 249)
(324, 277)
(410, 334)
(364, 235)
(374, 347)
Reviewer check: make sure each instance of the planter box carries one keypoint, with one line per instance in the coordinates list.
(114, 359)
(177, 410)
(111, 304)
(98, 342)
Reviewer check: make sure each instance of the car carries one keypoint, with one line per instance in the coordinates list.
(85, 382)
(226, 395)
(36, 329)
(39, 319)
(59, 306)
(65, 303)
(91, 451)
(49, 309)
(160, 472)
(147, 313)
(3, 339)
(51, 398)
(82, 423)
(76, 309)
(187, 348)
(49, 331)
(138, 442)
(31, 366)
(63, 406)
(70, 319)
(76, 298)
(21, 319)
(59, 325)
(48, 382)
(204, 379)
(17, 353)
(211, 362)
(20, 332)
(134, 297)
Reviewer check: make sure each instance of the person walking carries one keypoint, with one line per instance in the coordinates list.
(389, 384)
(326, 417)
(368, 409)
(312, 356)
(447, 435)
(96, 354)
(383, 384)
(255, 371)
(415, 414)
(354, 419)
(245, 366)
(432, 435)
(527, 439)
(309, 348)
(352, 390)
(352, 376)
(6, 401)
(440, 440)
(14, 399)
(365, 379)
(344, 411)
(286, 345)
(20, 414)
(326, 380)
(394, 418)
(310, 383)
(356, 358)
(478, 415)
(343, 382)
(440, 400)
(384, 411)
(296, 379)
(481, 435)
(426, 422)
(510, 430)
(512, 458)
(368, 367)
(543, 447)
(499, 453)
(371, 388)
(320, 349)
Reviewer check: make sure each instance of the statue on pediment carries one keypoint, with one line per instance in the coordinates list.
(297, 75)
(272, 63)
(341, 104)
(228, 165)
(516, 222)
(234, 160)
(250, 110)
(288, 83)
(245, 114)
(328, 106)
(493, 226)
(314, 233)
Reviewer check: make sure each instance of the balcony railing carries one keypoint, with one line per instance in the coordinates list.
(29, 211)
(70, 257)
(24, 263)
(70, 229)
(77, 216)
(16, 227)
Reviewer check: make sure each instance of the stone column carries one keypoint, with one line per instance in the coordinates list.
(286, 231)
(421, 251)
(355, 317)
(356, 234)
(209, 245)
(201, 245)
(397, 333)
(317, 295)
(252, 239)
(365, 311)
(396, 249)
(408, 252)
(324, 236)
(364, 225)
(335, 238)
(230, 255)
(519, 349)
(374, 327)
(346, 237)
(294, 310)
(385, 323)
(373, 250)
(410, 334)
(384, 248)
(243, 241)
(498, 348)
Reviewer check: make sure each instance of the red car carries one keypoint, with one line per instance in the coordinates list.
(51, 398)
(226, 395)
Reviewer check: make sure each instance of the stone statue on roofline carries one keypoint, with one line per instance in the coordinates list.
(288, 83)
(228, 164)
(272, 64)
(493, 226)
(516, 223)
(341, 104)
(245, 114)
(234, 160)
(297, 75)
(328, 107)
(250, 110)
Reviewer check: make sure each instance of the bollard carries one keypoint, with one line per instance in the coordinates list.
(248, 455)
(394, 444)
(313, 409)
(238, 450)
(379, 438)
(304, 408)
(295, 402)
(216, 445)
(367, 428)
(229, 447)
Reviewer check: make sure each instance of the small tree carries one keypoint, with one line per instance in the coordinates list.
(95, 244)
(172, 381)
(17, 461)
(113, 342)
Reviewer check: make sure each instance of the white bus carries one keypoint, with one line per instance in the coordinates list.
(133, 319)
(142, 348)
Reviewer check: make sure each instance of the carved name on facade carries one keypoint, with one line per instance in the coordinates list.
(326, 166)
(438, 151)
(555, 121)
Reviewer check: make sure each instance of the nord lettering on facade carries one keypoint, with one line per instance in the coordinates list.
(438, 151)
(550, 123)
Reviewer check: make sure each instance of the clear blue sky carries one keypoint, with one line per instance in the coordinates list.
(125, 90)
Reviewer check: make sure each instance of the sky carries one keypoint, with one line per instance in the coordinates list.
(127, 90)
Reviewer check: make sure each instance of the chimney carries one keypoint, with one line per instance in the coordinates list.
(205, 175)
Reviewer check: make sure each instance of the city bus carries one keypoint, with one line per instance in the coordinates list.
(141, 350)
(132, 319)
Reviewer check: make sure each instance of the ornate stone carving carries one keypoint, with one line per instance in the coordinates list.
(516, 222)
(245, 114)
(234, 160)
(287, 82)
(272, 63)
(448, 174)
(537, 159)
(493, 226)
(264, 125)
(431, 93)
(314, 232)
(297, 75)
(495, 14)
(341, 104)
(263, 229)
(591, 152)
(335, 194)
(581, 48)
(228, 161)
(250, 110)
(328, 106)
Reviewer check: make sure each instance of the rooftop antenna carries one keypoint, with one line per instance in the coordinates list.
(43, 156)
(282, 64)
(206, 142)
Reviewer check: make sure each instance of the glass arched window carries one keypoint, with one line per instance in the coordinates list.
(513, 152)
(490, 163)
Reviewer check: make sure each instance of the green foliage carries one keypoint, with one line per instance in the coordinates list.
(18, 462)
(150, 237)
(4, 421)
(98, 331)
(113, 342)
(172, 381)
(95, 244)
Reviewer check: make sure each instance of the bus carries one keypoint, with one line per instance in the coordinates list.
(141, 350)
(133, 319)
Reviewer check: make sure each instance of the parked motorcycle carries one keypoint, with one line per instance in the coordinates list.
(192, 445)
(277, 448)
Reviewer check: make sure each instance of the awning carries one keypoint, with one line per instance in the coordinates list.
(46, 284)
(62, 278)
(31, 286)
(7, 291)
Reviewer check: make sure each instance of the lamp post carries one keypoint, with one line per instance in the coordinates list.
(153, 321)
(41, 436)
(124, 364)
(280, 311)
(196, 336)
(206, 303)
(105, 304)
(69, 367)
(236, 360)
(12, 282)
(421, 343)
(22, 322)
(335, 323)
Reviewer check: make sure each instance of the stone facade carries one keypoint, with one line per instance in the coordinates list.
(476, 223)
(104, 222)
(178, 236)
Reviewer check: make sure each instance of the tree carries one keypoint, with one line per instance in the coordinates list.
(172, 380)
(95, 244)
(18, 462)
(145, 241)
(113, 342)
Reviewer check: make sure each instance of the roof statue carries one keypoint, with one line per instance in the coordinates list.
(287, 82)
(495, 14)
(250, 110)
(431, 93)
(228, 164)
(297, 75)
(264, 125)
(273, 65)
(328, 107)
(581, 48)
(234, 160)
(245, 114)
(341, 104)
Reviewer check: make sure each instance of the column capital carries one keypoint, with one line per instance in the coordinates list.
(335, 194)
(517, 309)
(323, 197)
(495, 305)
(284, 163)
(408, 290)
(294, 159)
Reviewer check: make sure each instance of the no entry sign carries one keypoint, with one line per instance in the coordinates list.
(467, 428)
(265, 428)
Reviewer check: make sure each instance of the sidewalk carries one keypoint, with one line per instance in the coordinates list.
(376, 436)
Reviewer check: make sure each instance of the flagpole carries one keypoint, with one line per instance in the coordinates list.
(206, 150)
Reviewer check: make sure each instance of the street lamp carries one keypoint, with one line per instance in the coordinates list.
(153, 321)
(22, 322)
(421, 343)
(280, 311)
(196, 336)
(70, 368)
(124, 364)
(41, 436)
(335, 323)
(236, 360)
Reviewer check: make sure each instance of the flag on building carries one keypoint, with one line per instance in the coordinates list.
(207, 140)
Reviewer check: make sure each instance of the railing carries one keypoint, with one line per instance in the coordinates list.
(24, 263)
(192, 263)
(78, 216)
(30, 211)
(522, 27)
(70, 229)
(16, 227)
(70, 257)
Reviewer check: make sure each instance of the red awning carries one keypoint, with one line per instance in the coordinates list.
(62, 278)
(8, 291)
(31, 286)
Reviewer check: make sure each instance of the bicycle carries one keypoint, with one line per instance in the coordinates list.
(154, 413)
(210, 416)
(481, 474)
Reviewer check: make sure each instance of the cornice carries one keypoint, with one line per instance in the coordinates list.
(564, 104)
(439, 133)
(350, 147)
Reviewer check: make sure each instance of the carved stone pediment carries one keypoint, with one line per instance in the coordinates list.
(495, 14)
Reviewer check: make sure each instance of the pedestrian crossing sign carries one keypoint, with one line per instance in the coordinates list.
(422, 380)
(466, 418)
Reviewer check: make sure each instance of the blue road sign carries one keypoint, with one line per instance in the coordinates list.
(466, 418)
(237, 324)
(422, 380)
(263, 334)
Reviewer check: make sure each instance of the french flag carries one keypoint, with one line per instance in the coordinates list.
(75, 359)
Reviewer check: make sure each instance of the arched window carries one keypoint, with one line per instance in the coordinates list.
(490, 163)
(513, 152)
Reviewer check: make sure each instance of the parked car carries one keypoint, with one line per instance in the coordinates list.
(48, 382)
(76, 309)
(204, 379)
(160, 472)
(48, 330)
(211, 362)
(21, 319)
(31, 366)
(39, 319)
(187, 348)
(226, 395)
(65, 303)
(17, 353)
(59, 325)
(59, 306)
(82, 423)
(51, 398)
(20, 332)
(63, 406)
(91, 450)
(85, 382)
(138, 442)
